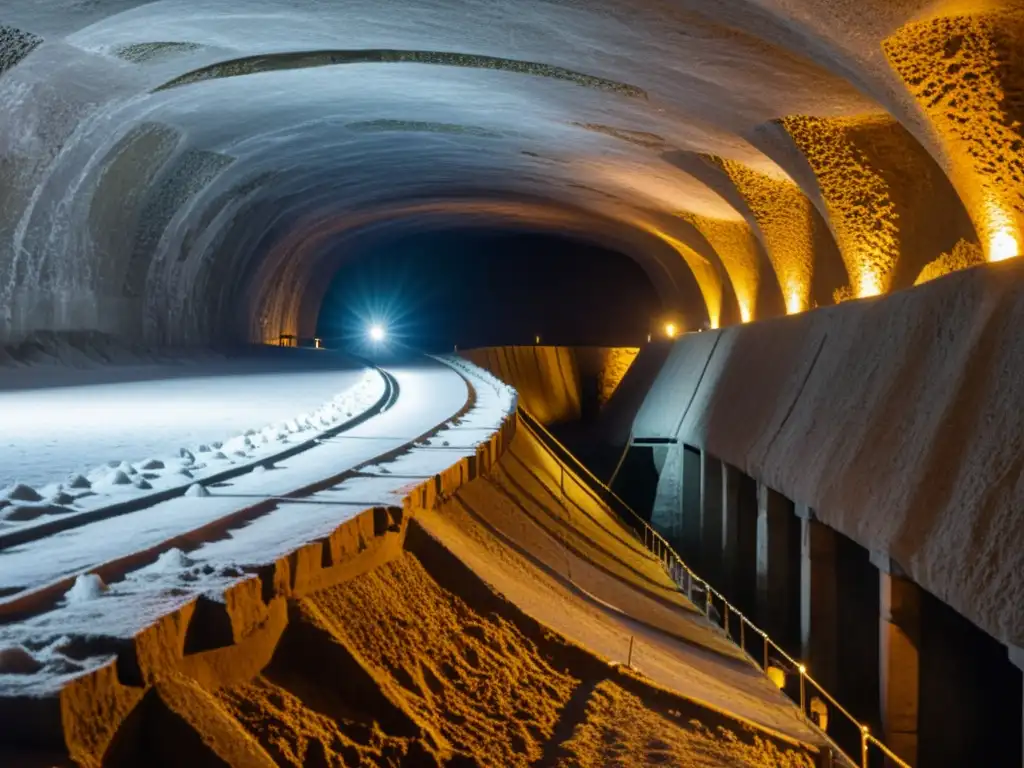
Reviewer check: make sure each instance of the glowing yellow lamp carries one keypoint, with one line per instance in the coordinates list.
(1003, 245)
(870, 285)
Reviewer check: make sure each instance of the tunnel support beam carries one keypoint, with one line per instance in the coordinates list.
(819, 598)
(712, 528)
(668, 492)
(775, 560)
(899, 636)
(730, 560)
(691, 504)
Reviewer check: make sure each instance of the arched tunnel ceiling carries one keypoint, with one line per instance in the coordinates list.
(180, 170)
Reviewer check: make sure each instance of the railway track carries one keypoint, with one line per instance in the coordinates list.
(230, 512)
(30, 533)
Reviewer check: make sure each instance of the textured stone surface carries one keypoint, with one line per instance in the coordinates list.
(812, 128)
(967, 73)
(548, 379)
(146, 52)
(15, 45)
(609, 364)
(790, 227)
(735, 244)
(115, 209)
(962, 256)
(886, 199)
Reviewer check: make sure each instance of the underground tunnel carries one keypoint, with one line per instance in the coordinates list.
(479, 383)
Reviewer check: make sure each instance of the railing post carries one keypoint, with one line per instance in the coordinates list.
(864, 746)
(803, 686)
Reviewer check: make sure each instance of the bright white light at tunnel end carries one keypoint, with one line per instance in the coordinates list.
(377, 333)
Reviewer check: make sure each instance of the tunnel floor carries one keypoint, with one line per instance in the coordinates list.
(58, 421)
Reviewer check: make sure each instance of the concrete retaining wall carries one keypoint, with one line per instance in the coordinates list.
(899, 420)
(549, 379)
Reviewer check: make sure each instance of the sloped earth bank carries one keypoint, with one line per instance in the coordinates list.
(397, 667)
(421, 640)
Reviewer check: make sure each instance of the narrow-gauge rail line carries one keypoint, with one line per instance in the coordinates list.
(35, 599)
(29, 533)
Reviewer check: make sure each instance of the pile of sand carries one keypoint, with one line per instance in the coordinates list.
(397, 668)
(495, 634)
(473, 677)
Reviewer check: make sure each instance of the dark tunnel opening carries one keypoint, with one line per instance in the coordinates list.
(499, 288)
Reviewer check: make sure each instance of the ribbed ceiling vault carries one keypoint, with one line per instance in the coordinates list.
(187, 171)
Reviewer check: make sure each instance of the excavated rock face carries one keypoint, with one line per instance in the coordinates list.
(180, 171)
(15, 45)
(967, 73)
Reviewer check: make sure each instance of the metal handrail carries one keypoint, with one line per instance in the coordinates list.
(684, 577)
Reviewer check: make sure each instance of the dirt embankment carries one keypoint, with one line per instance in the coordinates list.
(483, 625)
(394, 668)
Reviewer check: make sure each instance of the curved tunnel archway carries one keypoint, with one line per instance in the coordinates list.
(284, 295)
(172, 164)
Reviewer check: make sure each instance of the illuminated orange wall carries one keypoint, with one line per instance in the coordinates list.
(548, 378)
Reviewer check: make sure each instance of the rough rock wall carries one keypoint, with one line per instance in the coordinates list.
(15, 45)
(793, 233)
(962, 256)
(889, 204)
(93, 193)
(115, 215)
(897, 419)
(738, 249)
(967, 74)
(708, 278)
(548, 379)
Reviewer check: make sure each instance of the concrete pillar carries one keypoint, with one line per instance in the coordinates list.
(691, 504)
(819, 599)
(730, 530)
(899, 636)
(668, 493)
(1017, 658)
(711, 523)
(776, 557)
